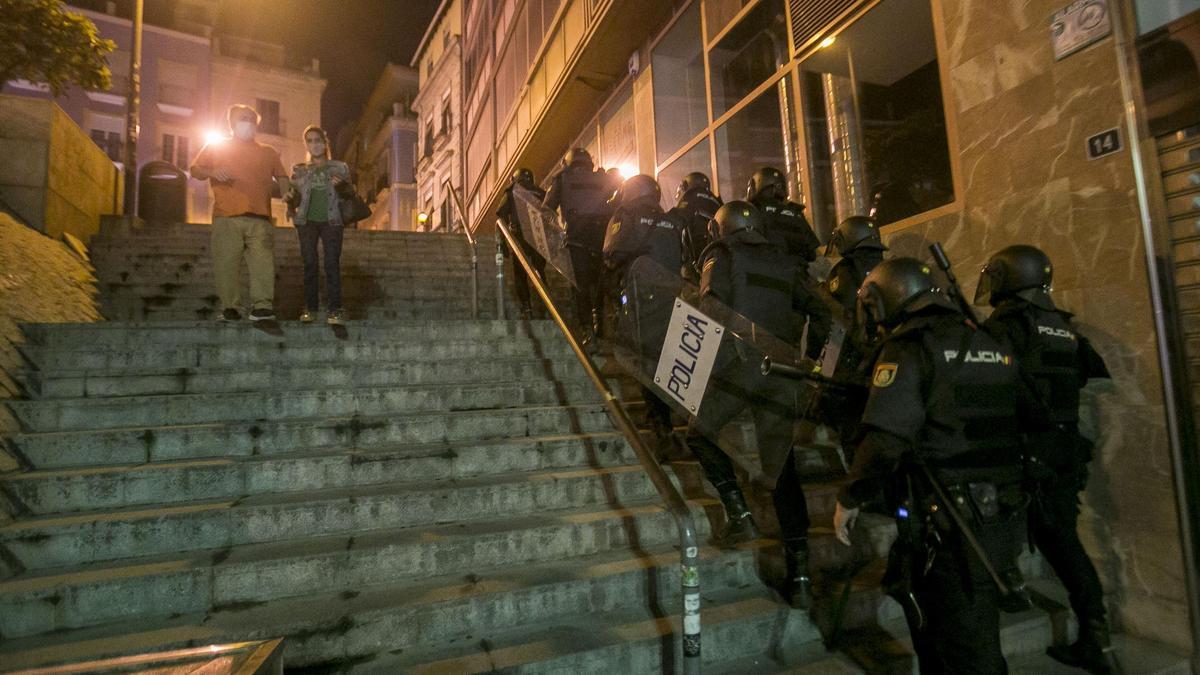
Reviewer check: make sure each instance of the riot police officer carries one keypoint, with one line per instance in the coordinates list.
(1058, 362)
(507, 212)
(783, 220)
(639, 228)
(788, 231)
(941, 431)
(580, 193)
(856, 240)
(695, 208)
(746, 273)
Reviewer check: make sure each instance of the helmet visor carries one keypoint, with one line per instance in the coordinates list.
(987, 283)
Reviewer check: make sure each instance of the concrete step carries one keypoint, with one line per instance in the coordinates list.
(147, 382)
(1136, 656)
(117, 487)
(442, 613)
(138, 445)
(37, 602)
(45, 542)
(257, 354)
(77, 414)
(159, 334)
(290, 310)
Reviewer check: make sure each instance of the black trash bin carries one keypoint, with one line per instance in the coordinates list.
(162, 193)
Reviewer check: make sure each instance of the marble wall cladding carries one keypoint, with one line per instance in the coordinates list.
(1022, 120)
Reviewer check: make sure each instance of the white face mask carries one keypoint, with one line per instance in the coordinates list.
(244, 130)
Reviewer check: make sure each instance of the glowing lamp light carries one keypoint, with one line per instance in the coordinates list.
(422, 217)
(627, 170)
(212, 136)
(827, 42)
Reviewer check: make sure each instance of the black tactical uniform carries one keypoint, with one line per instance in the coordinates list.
(1057, 362)
(508, 214)
(745, 272)
(695, 208)
(785, 226)
(581, 196)
(857, 241)
(944, 396)
(639, 228)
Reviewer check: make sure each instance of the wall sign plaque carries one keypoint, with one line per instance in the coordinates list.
(1078, 25)
(1104, 143)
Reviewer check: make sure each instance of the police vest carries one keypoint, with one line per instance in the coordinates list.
(763, 287)
(786, 227)
(585, 194)
(643, 231)
(969, 389)
(1050, 359)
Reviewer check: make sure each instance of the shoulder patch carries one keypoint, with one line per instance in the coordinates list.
(834, 284)
(709, 263)
(885, 375)
(614, 227)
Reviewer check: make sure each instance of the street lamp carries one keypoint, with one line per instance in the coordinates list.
(132, 111)
(422, 219)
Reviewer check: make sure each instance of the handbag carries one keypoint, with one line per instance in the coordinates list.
(352, 208)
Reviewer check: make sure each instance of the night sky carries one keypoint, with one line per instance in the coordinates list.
(352, 38)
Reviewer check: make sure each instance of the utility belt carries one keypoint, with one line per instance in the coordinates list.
(1050, 455)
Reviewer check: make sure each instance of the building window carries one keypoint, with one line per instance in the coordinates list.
(696, 159)
(750, 53)
(757, 136)
(719, 13)
(876, 127)
(175, 150)
(269, 110)
(677, 64)
(447, 116)
(428, 138)
(445, 220)
(109, 142)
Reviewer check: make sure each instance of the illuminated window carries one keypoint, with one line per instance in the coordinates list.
(680, 111)
(876, 125)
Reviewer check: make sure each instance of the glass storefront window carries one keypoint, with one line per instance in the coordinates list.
(875, 124)
(677, 64)
(718, 14)
(753, 138)
(754, 50)
(695, 159)
(618, 133)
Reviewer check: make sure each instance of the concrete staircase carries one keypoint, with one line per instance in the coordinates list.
(165, 273)
(416, 493)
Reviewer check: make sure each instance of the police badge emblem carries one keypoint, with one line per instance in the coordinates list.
(834, 283)
(885, 375)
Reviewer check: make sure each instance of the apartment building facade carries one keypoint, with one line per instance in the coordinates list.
(438, 61)
(382, 151)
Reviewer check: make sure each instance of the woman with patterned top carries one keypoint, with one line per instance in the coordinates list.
(313, 204)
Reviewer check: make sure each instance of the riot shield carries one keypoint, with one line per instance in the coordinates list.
(704, 360)
(543, 231)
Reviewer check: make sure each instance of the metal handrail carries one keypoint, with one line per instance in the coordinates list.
(688, 547)
(471, 244)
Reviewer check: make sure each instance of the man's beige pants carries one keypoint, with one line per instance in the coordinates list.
(232, 239)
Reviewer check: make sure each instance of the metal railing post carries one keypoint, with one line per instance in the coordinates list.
(500, 313)
(689, 550)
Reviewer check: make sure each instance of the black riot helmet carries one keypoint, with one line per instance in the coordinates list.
(896, 288)
(767, 183)
(734, 217)
(693, 180)
(854, 233)
(578, 156)
(635, 189)
(523, 177)
(1021, 270)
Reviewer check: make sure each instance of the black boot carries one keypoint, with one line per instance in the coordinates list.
(1093, 651)
(739, 523)
(798, 586)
